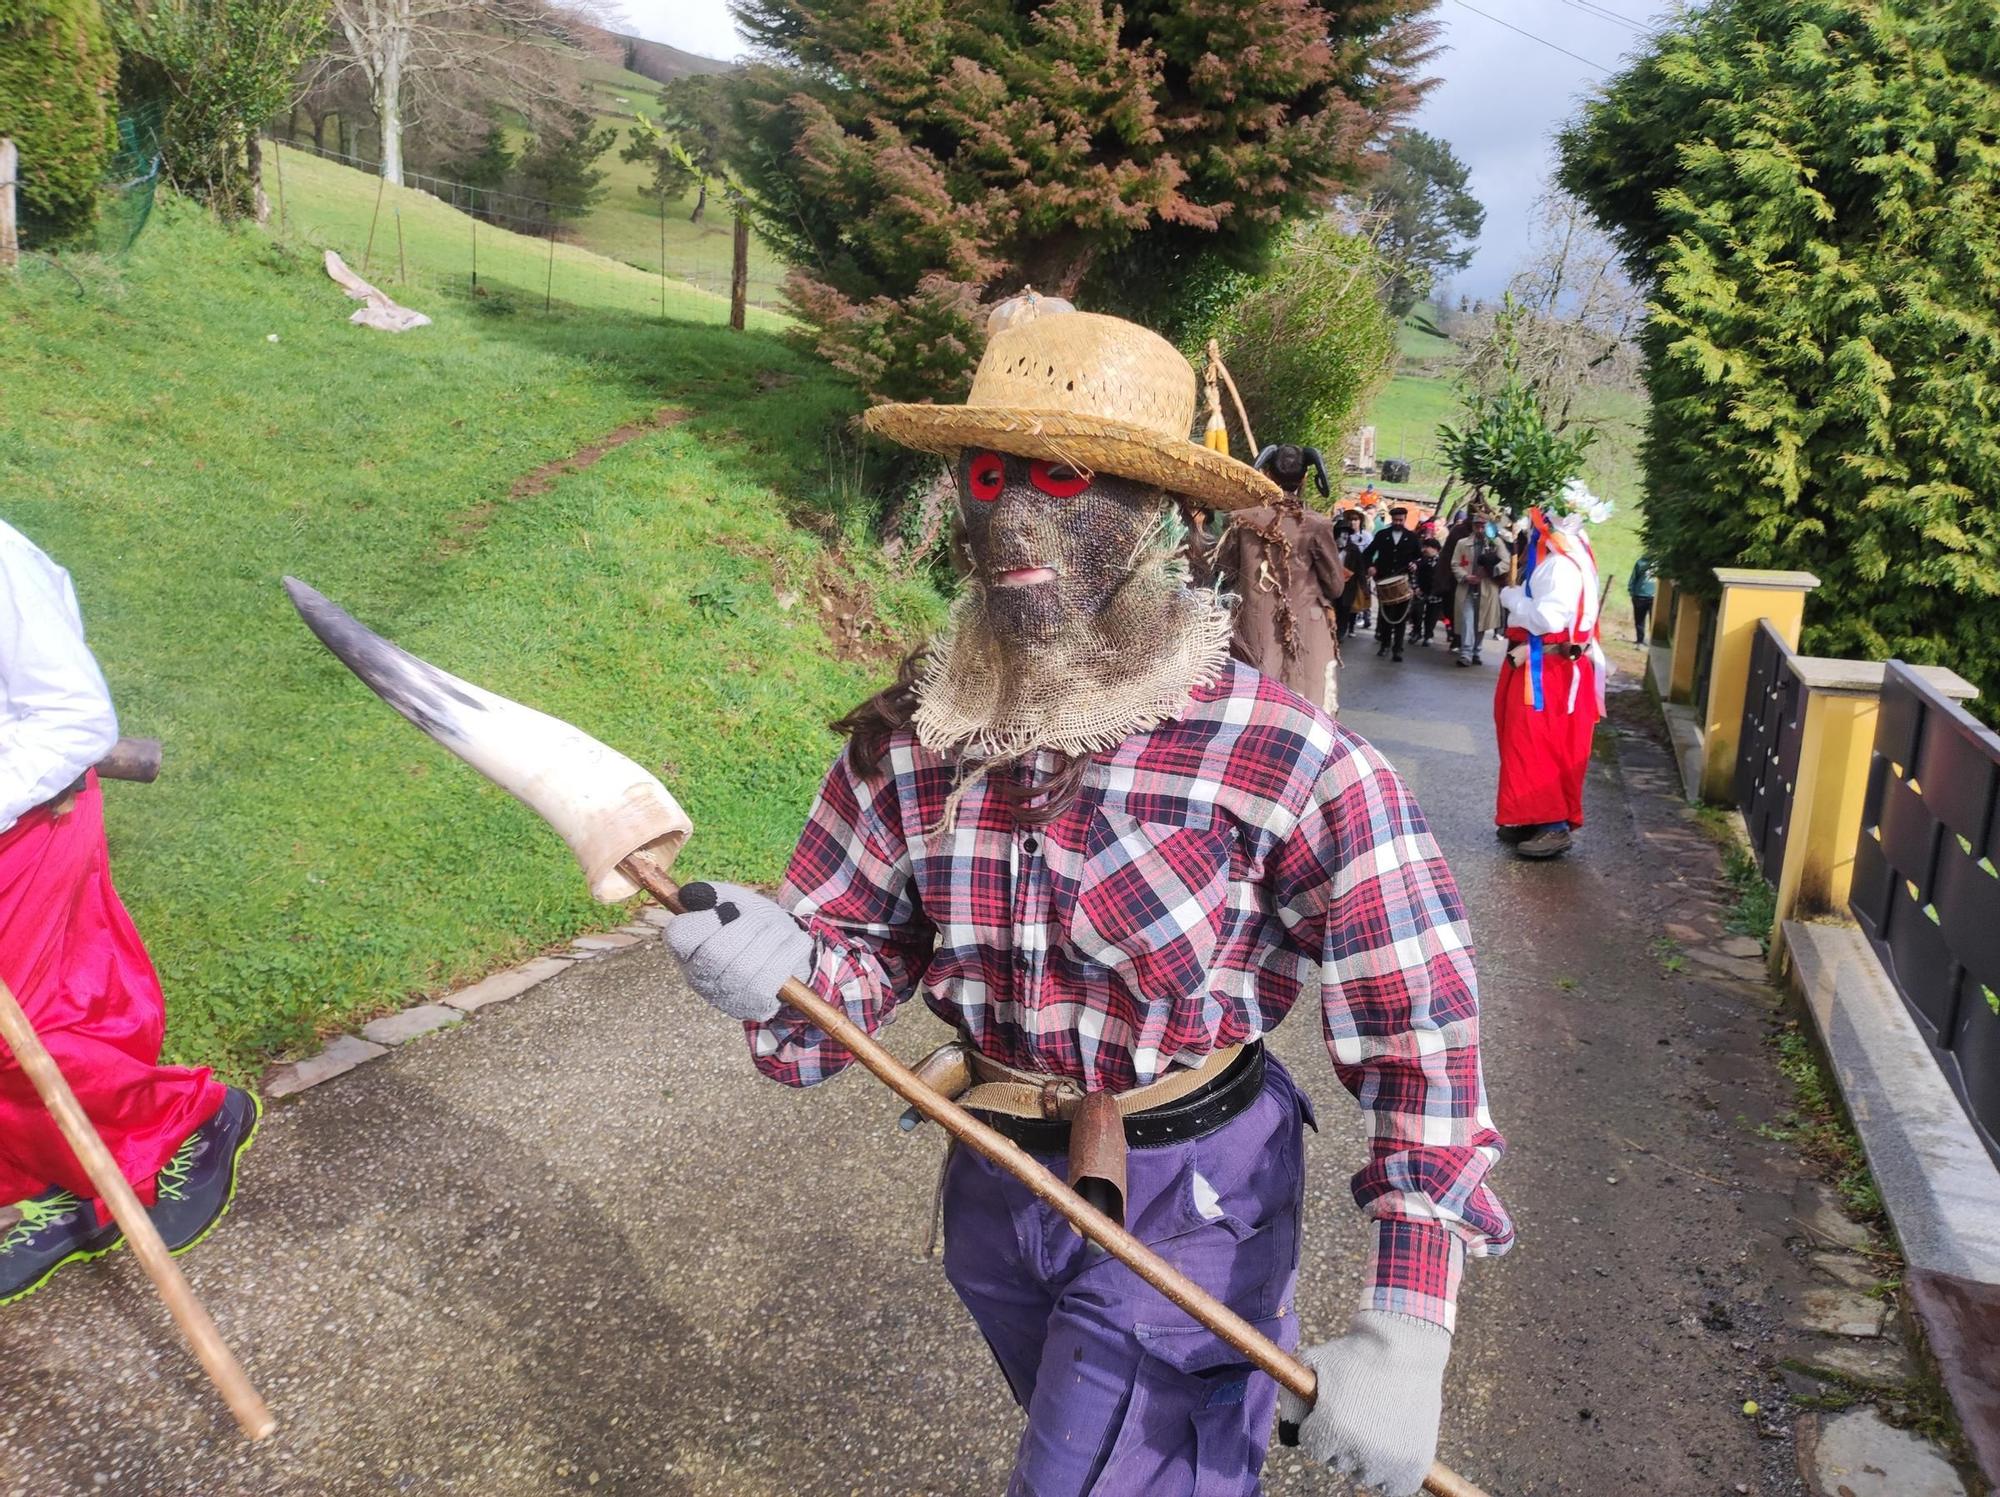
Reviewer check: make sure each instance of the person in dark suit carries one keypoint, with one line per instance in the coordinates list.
(1394, 552)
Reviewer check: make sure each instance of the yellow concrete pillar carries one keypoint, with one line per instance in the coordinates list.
(1836, 742)
(1657, 632)
(1686, 642)
(1748, 596)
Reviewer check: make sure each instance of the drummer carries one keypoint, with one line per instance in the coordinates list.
(1391, 563)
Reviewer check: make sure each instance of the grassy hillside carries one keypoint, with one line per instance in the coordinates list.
(331, 206)
(182, 431)
(658, 60)
(1407, 413)
(617, 92)
(628, 225)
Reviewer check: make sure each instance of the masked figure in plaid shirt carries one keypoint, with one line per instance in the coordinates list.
(1112, 858)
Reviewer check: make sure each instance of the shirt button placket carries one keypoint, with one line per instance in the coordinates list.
(1029, 894)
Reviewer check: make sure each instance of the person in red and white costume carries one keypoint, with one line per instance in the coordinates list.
(1551, 688)
(74, 961)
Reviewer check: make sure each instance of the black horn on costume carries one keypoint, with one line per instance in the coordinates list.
(1319, 472)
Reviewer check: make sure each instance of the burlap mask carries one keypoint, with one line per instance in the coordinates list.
(1077, 626)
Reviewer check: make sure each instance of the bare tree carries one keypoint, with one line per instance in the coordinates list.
(1575, 316)
(448, 64)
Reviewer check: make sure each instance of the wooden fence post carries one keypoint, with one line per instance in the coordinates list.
(10, 243)
(739, 274)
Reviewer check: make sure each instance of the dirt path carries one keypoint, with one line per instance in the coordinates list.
(533, 484)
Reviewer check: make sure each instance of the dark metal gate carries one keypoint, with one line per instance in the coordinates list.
(1767, 750)
(1927, 881)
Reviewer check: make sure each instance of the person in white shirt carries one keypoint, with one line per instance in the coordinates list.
(75, 963)
(1551, 688)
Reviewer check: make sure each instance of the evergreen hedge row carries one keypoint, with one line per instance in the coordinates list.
(1810, 189)
(58, 79)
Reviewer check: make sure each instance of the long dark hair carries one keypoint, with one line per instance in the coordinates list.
(870, 725)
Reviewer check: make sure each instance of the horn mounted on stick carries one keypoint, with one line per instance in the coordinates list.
(626, 829)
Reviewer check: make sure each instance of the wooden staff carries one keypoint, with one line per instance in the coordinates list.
(647, 870)
(1242, 416)
(602, 803)
(144, 1238)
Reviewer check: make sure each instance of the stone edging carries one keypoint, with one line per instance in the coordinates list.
(1938, 1183)
(378, 1037)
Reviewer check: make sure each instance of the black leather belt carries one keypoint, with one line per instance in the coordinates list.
(1198, 1113)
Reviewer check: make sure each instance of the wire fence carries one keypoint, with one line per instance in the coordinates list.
(406, 237)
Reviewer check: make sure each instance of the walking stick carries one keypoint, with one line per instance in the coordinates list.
(625, 829)
(647, 869)
(198, 1330)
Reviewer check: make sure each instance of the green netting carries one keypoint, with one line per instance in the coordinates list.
(131, 180)
(124, 201)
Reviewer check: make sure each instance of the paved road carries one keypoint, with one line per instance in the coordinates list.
(577, 1246)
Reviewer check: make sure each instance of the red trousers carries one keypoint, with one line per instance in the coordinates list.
(1543, 754)
(70, 953)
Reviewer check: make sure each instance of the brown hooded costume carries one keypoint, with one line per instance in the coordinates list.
(1283, 563)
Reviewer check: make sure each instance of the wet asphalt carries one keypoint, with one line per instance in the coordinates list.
(577, 1245)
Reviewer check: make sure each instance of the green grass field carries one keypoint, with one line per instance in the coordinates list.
(327, 205)
(183, 429)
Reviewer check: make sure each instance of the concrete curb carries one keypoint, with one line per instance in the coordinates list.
(344, 1052)
(1937, 1181)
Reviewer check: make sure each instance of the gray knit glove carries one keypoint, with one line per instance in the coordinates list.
(737, 948)
(1381, 1395)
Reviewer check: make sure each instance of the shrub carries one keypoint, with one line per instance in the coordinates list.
(1310, 343)
(1810, 190)
(227, 66)
(58, 75)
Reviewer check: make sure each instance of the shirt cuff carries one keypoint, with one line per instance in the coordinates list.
(1413, 1269)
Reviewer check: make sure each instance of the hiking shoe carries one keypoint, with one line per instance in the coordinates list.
(1514, 835)
(198, 1183)
(1548, 842)
(55, 1228)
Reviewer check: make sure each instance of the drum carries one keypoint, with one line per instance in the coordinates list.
(1392, 592)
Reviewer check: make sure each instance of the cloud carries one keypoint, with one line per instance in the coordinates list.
(700, 26)
(1503, 96)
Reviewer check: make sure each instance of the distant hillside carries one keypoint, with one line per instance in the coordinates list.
(659, 62)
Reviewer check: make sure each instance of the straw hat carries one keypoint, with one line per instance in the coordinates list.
(1098, 393)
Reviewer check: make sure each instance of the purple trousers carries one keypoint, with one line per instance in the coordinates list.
(1125, 1393)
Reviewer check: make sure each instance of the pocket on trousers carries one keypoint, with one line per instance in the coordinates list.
(1188, 1428)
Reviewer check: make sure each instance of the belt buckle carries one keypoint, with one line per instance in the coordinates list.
(1054, 1090)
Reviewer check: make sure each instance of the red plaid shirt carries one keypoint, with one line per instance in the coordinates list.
(1179, 904)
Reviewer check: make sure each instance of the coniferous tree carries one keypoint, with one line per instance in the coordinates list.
(909, 157)
(58, 74)
(1810, 191)
(1430, 220)
(557, 165)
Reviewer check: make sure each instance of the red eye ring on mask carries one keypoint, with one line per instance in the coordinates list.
(1057, 480)
(986, 476)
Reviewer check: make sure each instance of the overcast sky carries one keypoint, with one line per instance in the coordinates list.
(1501, 98)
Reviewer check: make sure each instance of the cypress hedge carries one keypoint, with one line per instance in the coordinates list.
(1810, 190)
(58, 80)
